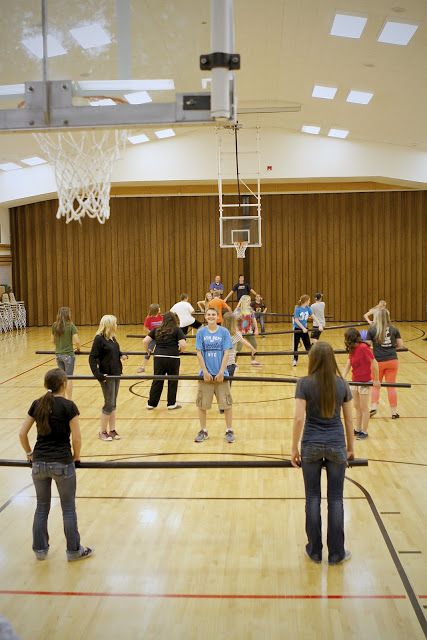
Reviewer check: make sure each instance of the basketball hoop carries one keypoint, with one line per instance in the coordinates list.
(83, 162)
(240, 248)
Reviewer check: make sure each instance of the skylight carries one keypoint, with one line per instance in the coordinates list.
(102, 102)
(32, 162)
(138, 139)
(93, 35)
(126, 85)
(397, 33)
(35, 46)
(359, 97)
(347, 26)
(308, 128)
(10, 166)
(165, 133)
(338, 133)
(320, 91)
(138, 97)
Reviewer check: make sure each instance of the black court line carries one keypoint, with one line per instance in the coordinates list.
(15, 495)
(417, 552)
(423, 333)
(394, 555)
(189, 498)
(390, 513)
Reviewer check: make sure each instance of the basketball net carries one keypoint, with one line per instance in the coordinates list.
(83, 162)
(240, 248)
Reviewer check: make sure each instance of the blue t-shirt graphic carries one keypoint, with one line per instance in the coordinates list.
(212, 345)
(302, 314)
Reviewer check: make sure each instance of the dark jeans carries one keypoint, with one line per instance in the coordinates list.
(260, 317)
(300, 335)
(231, 368)
(65, 478)
(110, 389)
(313, 457)
(162, 367)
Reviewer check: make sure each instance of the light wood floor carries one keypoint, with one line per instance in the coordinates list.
(214, 553)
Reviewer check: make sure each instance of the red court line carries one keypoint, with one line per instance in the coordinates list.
(203, 596)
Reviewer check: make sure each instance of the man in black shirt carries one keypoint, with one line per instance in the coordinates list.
(241, 288)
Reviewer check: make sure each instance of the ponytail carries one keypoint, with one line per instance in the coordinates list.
(53, 381)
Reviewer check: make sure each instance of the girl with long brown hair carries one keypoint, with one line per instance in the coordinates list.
(320, 396)
(66, 340)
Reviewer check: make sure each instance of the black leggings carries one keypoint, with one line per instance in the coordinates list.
(305, 337)
(162, 367)
(196, 324)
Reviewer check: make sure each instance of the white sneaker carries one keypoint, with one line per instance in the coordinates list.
(171, 407)
(294, 363)
(149, 407)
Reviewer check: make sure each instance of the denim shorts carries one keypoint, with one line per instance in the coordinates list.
(66, 363)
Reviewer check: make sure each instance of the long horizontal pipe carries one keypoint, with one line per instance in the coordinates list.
(193, 353)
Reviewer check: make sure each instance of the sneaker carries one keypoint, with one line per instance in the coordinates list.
(86, 553)
(114, 435)
(40, 555)
(357, 431)
(372, 413)
(149, 407)
(255, 363)
(313, 559)
(362, 435)
(103, 435)
(395, 416)
(347, 556)
(221, 410)
(229, 436)
(202, 435)
(294, 363)
(171, 407)
(140, 370)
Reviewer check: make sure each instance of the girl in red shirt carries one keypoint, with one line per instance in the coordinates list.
(364, 368)
(151, 322)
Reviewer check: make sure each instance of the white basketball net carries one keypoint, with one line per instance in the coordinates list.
(240, 248)
(83, 163)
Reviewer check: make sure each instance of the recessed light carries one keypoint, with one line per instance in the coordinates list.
(10, 166)
(93, 35)
(126, 85)
(338, 133)
(324, 92)
(359, 97)
(12, 89)
(138, 139)
(308, 128)
(32, 162)
(397, 33)
(138, 97)
(102, 102)
(35, 46)
(165, 133)
(347, 26)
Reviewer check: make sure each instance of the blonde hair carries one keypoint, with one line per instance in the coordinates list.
(229, 322)
(245, 304)
(304, 298)
(381, 322)
(107, 327)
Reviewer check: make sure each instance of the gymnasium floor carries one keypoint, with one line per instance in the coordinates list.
(214, 553)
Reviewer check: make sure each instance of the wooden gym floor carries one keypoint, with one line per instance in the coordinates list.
(214, 553)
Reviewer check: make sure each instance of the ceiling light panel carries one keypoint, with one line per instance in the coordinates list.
(138, 97)
(308, 128)
(347, 26)
(104, 102)
(126, 85)
(34, 161)
(138, 139)
(338, 133)
(35, 46)
(397, 33)
(10, 166)
(328, 93)
(93, 35)
(12, 89)
(165, 133)
(359, 97)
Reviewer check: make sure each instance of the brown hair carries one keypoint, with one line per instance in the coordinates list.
(53, 381)
(169, 324)
(324, 369)
(153, 309)
(352, 338)
(63, 317)
(304, 298)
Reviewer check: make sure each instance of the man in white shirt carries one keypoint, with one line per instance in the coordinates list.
(184, 311)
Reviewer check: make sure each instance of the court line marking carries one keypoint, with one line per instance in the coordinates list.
(13, 498)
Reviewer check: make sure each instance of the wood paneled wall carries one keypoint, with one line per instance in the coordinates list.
(355, 247)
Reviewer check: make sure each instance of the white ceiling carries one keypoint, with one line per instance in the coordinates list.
(285, 49)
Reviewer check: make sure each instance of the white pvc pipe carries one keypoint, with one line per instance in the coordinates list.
(222, 40)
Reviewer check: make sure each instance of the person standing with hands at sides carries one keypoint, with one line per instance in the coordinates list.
(260, 310)
(247, 325)
(213, 344)
(152, 321)
(216, 285)
(384, 339)
(203, 304)
(241, 288)
(67, 343)
(302, 313)
(318, 309)
(374, 310)
(319, 399)
(219, 305)
(364, 368)
(105, 359)
(184, 311)
(53, 458)
(170, 341)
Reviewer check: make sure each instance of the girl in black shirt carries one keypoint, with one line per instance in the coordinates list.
(53, 458)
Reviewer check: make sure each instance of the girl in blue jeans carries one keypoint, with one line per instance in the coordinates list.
(320, 397)
(53, 458)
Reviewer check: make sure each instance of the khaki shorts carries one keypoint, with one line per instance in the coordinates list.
(206, 393)
(362, 391)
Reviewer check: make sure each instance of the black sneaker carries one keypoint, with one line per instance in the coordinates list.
(372, 413)
(395, 416)
(313, 559)
(86, 553)
(347, 556)
(362, 435)
(357, 431)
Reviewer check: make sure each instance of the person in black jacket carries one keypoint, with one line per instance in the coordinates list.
(105, 359)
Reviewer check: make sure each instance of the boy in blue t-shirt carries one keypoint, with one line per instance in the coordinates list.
(213, 344)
